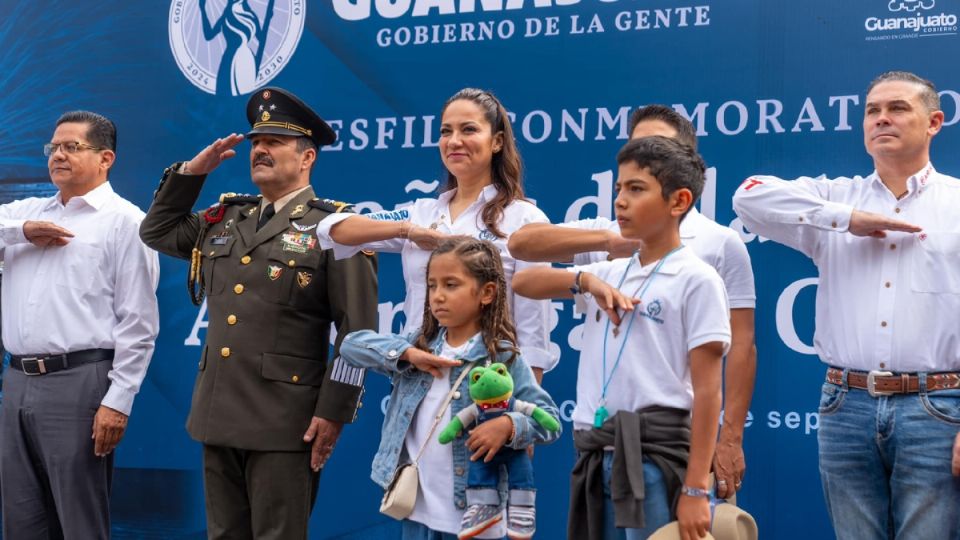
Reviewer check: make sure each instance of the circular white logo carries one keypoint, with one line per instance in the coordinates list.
(233, 47)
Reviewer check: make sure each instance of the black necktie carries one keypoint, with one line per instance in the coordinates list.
(265, 215)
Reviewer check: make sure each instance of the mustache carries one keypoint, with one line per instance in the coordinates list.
(262, 159)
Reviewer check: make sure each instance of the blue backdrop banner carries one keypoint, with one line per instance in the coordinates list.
(772, 86)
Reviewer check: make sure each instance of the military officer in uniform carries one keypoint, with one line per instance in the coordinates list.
(268, 404)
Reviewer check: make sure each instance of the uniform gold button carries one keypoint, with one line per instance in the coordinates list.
(360, 405)
(232, 320)
(238, 288)
(295, 378)
(211, 253)
(834, 224)
(225, 352)
(291, 263)
(245, 259)
(883, 324)
(897, 210)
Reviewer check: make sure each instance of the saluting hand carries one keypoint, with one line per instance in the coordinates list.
(619, 247)
(108, 428)
(323, 434)
(876, 226)
(213, 155)
(425, 361)
(44, 233)
(609, 298)
(424, 238)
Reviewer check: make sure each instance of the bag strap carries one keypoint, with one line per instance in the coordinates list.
(442, 409)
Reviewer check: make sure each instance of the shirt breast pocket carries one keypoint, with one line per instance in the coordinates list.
(217, 251)
(936, 263)
(293, 278)
(82, 265)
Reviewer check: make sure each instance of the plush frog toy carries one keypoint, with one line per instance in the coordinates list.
(491, 389)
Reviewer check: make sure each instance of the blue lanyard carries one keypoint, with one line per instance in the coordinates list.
(601, 415)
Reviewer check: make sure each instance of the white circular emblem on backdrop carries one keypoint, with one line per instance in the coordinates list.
(233, 47)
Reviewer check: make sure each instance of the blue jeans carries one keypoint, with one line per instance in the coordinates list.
(885, 463)
(412, 530)
(487, 475)
(656, 504)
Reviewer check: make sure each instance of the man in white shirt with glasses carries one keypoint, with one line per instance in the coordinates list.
(79, 321)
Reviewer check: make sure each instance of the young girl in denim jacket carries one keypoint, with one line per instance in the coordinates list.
(466, 323)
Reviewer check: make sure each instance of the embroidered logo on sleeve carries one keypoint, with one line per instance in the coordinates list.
(750, 183)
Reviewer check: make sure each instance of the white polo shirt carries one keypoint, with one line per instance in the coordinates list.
(720, 247)
(684, 306)
(882, 303)
(531, 317)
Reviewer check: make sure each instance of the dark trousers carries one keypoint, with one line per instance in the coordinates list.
(258, 495)
(53, 485)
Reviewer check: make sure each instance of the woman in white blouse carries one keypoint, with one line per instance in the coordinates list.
(483, 199)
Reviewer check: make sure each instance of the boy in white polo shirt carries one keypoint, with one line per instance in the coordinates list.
(657, 326)
(585, 241)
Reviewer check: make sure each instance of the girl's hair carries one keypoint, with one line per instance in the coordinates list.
(482, 261)
(506, 168)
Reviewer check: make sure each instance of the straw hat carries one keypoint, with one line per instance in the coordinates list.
(729, 523)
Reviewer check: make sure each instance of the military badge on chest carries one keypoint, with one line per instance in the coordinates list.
(304, 279)
(274, 272)
(298, 242)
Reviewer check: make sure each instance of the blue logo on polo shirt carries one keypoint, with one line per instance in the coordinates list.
(653, 311)
(487, 235)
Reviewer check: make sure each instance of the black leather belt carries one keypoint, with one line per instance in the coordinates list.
(42, 364)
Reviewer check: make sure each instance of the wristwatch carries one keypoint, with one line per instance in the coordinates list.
(694, 492)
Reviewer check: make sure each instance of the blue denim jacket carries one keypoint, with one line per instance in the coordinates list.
(381, 353)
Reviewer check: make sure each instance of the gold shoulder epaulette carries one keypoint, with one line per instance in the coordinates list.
(330, 205)
(238, 198)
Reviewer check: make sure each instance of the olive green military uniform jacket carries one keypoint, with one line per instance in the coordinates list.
(271, 296)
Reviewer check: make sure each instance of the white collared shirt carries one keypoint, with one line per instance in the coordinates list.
(532, 317)
(684, 306)
(718, 246)
(97, 292)
(882, 303)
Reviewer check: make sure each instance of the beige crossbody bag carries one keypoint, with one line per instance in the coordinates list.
(401, 494)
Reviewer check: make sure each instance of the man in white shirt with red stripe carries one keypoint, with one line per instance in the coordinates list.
(79, 320)
(588, 241)
(888, 250)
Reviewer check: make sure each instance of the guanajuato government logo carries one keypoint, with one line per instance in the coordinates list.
(910, 19)
(233, 47)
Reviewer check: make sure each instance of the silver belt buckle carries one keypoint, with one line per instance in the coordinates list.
(41, 368)
(872, 383)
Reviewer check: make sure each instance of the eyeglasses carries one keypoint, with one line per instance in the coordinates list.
(69, 147)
